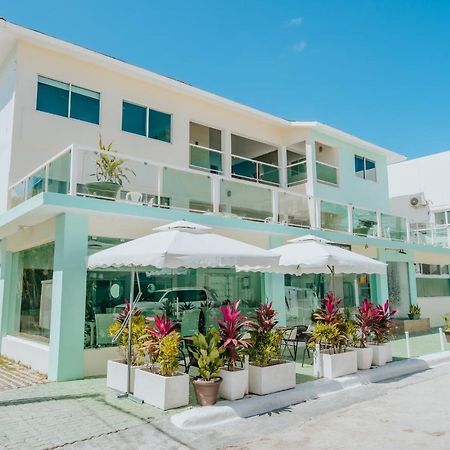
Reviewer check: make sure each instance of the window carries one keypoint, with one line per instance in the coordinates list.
(134, 118)
(365, 168)
(67, 100)
(146, 122)
(159, 125)
(433, 287)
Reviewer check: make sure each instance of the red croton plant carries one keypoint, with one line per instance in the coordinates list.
(330, 312)
(156, 331)
(121, 315)
(382, 323)
(364, 320)
(232, 330)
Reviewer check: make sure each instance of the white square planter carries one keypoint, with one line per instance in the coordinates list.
(162, 392)
(388, 350)
(336, 365)
(234, 383)
(364, 357)
(116, 375)
(380, 354)
(265, 380)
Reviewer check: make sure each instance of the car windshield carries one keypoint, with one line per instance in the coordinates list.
(154, 296)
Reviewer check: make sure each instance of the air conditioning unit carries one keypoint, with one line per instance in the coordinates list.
(418, 201)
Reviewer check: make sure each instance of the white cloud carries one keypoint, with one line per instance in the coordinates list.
(299, 47)
(295, 21)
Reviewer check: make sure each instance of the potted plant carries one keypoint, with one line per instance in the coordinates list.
(208, 354)
(331, 333)
(381, 329)
(267, 372)
(414, 312)
(232, 329)
(446, 318)
(363, 321)
(159, 383)
(109, 172)
(117, 369)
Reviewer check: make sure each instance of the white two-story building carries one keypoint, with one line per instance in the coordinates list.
(187, 154)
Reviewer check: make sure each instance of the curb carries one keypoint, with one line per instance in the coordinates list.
(226, 411)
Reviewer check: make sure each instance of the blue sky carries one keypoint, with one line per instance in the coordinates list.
(376, 69)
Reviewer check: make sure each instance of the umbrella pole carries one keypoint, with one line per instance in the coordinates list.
(332, 279)
(130, 319)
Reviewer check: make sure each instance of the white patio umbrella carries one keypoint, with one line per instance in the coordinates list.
(311, 254)
(179, 244)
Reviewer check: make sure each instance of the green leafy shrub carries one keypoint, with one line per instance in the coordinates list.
(265, 338)
(208, 354)
(167, 354)
(138, 325)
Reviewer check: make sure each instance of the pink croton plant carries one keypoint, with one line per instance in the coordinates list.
(232, 331)
(382, 323)
(364, 319)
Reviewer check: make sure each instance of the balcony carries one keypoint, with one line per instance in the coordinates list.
(326, 173)
(151, 184)
(296, 173)
(436, 235)
(205, 158)
(252, 170)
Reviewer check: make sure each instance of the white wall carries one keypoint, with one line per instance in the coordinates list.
(7, 95)
(434, 308)
(429, 175)
(27, 352)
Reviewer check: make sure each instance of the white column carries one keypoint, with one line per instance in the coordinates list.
(310, 152)
(226, 149)
(282, 164)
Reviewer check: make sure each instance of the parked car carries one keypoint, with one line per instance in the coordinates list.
(188, 298)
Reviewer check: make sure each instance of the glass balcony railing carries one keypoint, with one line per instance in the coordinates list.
(393, 227)
(438, 235)
(293, 209)
(75, 171)
(365, 222)
(246, 201)
(296, 173)
(326, 173)
(205, 159)
(250, 169)
(333, 216)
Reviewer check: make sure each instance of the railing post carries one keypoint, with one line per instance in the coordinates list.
(275, 205)
(350, 218)
(282, 166)
(46, 178)
(408, 231)
(160, 183)
(74, 161)
(215, 186)
(379, 227)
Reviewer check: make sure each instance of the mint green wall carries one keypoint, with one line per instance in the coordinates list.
(351, 189)
(68, 298)
(387, 255)
(9, 317)
(274, 285)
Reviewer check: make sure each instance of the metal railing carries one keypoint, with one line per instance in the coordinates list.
(250, 169)
(327, 173)
(154, 184)
(296, 173)
(205, 158)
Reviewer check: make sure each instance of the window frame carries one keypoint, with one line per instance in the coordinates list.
(39, 75)
(147, 121)
(364, 171)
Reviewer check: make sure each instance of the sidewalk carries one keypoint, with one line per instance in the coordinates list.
(54, 414)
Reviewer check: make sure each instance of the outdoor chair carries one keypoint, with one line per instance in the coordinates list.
(293, 336)
(190, 322)
(133, 197)
(102, 324)
(191, 361)
(211, 316)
